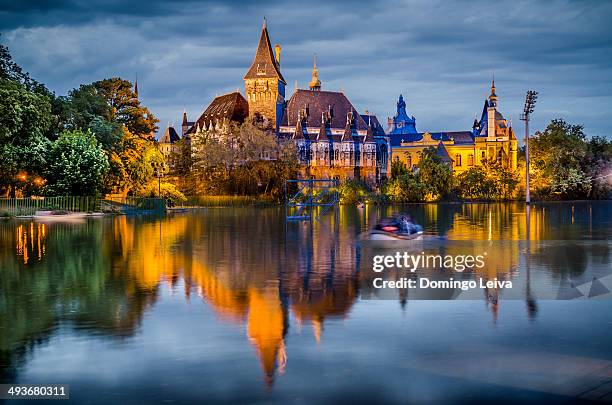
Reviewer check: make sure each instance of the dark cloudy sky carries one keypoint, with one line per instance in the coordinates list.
(441, 55)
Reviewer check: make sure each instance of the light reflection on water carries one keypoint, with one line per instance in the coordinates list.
(237, 305)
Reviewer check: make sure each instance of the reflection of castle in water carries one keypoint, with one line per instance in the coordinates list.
(247, 266)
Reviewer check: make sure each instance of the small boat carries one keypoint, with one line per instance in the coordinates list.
(52, 216)
(390, 229)
(379, 235)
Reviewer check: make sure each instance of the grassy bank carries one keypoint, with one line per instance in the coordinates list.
(229, 201)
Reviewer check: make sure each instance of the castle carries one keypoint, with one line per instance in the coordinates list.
(491, 139)
(333, 140)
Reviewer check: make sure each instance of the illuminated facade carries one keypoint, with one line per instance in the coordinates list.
(491, 139)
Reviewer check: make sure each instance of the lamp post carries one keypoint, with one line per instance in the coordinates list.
(530, 100)
(159, 169)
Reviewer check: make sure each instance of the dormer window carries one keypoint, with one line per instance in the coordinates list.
(261, 71)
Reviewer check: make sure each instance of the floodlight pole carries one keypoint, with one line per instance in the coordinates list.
(529, 105)
(527, 195)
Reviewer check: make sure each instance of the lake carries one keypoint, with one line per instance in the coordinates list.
(226, 305)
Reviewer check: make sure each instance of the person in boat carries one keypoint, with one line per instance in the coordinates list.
(407, 225)
(401, 225)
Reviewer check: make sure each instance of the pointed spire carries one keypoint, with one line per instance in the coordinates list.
(264, 63)
(184, 117)
(349, 127)
(493, 96)
(136, 86)
(315, 83)
(299, 127)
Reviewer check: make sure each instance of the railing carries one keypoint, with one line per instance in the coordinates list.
(28, 206)
(304, 197)
(130, 204)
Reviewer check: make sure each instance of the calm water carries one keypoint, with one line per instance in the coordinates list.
(235, 305)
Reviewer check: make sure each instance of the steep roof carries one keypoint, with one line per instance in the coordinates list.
(443, 153)
(377, 129)
(232, 106)
(264, 63)
(170, 136)
(317, 103)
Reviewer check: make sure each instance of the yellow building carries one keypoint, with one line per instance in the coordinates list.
(491, 139)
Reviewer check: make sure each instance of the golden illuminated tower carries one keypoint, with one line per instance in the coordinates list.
(315, 83)
(264, 84)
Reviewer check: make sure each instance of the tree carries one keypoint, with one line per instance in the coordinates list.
(398, 168)
(25, 118)
(112, 99)
(557, 156)
(598, 164)
(475, 184)
(242, 159)
(76, 165)
(406, 188)
(436, 175)
(11, 71)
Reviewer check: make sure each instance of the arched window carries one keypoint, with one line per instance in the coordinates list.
(458, 160)
(470, 160)
(500, 154)
(408, 160)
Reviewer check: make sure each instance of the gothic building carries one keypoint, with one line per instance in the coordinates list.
(333, 140)
(491, 138)
(264, 84)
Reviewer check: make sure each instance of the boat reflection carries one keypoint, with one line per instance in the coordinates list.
(249, 266)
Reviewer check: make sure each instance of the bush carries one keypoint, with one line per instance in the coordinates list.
(406, 188)
(168, 192)
(355, 192)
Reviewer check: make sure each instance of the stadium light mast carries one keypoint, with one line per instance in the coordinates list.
(530, 100)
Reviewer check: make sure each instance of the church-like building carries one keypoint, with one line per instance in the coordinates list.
(491, 138)
(334, 141)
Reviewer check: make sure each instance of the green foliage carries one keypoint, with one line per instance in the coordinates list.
(435, 175)
(475, 184)
(406, 188)
(559, 158)
(491, 181)
(25, 118)
(355, 191)
(168, 192)
(76, 165)
(12, 72)
(243, 160)
(398, 169)
(113, 100)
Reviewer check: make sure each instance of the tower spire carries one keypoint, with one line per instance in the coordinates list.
(136, 86)
(315, 83)
(493, 95)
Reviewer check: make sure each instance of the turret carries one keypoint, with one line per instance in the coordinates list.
(263, 83)
(315, 83)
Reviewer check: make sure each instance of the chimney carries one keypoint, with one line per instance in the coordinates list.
(277, 49)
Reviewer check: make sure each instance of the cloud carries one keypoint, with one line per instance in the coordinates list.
(440, 55)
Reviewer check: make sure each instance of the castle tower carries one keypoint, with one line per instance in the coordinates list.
(264, 84)
(492, 112)
(315, 83)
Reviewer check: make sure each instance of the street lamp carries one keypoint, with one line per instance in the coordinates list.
(530, 100)
(159, 169)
